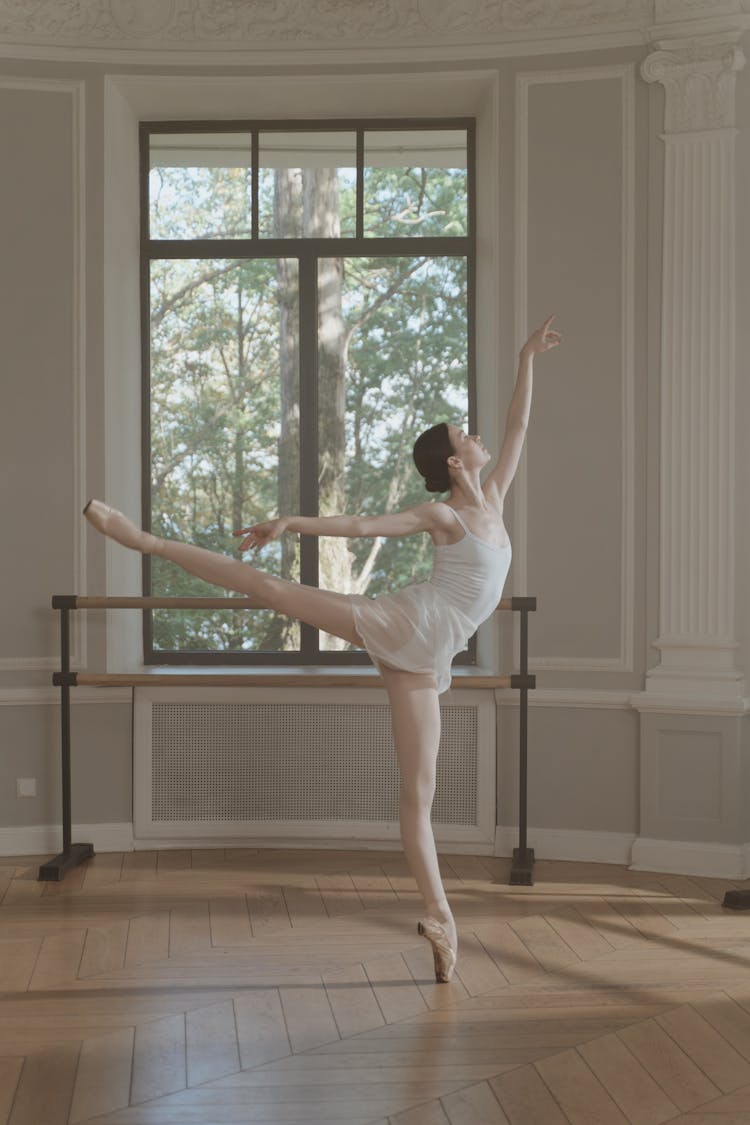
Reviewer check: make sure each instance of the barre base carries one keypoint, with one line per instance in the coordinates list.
(737, 900)
(54, 870)
(522, 868)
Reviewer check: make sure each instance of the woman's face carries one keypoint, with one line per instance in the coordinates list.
(469, 447)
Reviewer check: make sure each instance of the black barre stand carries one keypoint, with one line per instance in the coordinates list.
(72, 854)
(522, 865)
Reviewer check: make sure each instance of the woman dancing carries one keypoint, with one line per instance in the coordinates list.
(412, 634)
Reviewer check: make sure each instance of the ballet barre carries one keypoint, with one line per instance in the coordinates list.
(74, 854)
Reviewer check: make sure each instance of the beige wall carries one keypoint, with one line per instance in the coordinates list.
(36, 327)
(591, 559)
(101, 774)
(583, 769)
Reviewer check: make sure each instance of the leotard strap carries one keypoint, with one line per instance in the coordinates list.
(455, 513)
(473, 535)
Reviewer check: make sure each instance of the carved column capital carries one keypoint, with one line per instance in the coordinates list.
(699, 78)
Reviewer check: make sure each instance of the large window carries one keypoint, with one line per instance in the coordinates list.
(307, 311)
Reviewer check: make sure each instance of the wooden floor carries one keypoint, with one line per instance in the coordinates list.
(290, 987)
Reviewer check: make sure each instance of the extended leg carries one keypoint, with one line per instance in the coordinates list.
(323, 609)
(416, 731)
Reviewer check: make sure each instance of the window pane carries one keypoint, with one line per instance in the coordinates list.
(200, 185)
(224, 433)
(392, 361)
(307, 185)
(415, 183)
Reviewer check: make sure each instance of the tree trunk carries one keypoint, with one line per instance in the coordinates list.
(283, 633)
(307, 205)
(322, 220)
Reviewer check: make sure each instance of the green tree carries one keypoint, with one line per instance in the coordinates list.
(225, 382)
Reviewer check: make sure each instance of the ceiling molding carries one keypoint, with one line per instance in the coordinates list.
(270, 32)
(236, 28)
(163, 24)
(273, 32)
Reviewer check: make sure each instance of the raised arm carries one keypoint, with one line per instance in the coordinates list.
(422, 517)
(499, 479)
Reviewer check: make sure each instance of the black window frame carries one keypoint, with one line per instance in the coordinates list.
(307, 251)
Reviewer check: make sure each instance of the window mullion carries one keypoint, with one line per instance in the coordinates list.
(360, 222)
(308, 405)
(254, 160)
(145, 403)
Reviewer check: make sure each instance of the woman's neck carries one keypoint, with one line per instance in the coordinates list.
(466, 491)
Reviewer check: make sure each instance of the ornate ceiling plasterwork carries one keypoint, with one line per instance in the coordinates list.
(247, 27)
(161, 24)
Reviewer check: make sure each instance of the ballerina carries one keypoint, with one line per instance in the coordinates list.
(412, 634)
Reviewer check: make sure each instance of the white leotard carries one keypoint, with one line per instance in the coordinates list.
(421, 627)
(470, 573)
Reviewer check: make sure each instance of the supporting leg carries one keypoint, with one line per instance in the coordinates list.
(415, 715)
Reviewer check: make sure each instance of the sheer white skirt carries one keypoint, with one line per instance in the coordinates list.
(415, 629)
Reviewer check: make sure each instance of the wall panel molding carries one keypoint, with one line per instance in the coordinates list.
(75, 90)
(624, 661)
(692, 778)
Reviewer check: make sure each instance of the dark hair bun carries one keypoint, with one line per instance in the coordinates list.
(431, 452)
(433, 485)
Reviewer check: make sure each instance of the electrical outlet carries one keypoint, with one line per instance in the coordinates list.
(26, 787)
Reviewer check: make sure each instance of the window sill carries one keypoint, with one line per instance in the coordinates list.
(289, 676)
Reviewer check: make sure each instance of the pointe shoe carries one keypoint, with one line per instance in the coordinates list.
(443, 952)
(117, 526)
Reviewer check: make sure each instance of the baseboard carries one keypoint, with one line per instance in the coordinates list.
(304, 843)
(682, 857)
(676, 857)
(46, 839)
(561, 843)
(670, 857)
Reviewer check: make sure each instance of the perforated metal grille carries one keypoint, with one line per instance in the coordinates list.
(228, 762)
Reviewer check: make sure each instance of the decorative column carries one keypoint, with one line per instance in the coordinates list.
(698, 370)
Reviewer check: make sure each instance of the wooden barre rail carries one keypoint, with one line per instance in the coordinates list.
(258, 679)
(73, 854)
(76, 601)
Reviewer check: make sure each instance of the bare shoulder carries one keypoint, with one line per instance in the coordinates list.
(439, 514)
(443, 525)
(438, 517)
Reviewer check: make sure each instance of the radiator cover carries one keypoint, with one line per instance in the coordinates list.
(279, 763)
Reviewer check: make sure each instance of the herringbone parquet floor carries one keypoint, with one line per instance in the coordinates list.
(282, 987)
